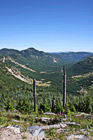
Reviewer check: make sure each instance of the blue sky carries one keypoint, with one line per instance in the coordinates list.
(47, 25)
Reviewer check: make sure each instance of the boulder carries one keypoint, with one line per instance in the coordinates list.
(17, 126)
(36, 131)
(16, 130)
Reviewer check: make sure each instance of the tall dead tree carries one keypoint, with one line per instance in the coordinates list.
(53, 104)
(64, 87)
(34, 94)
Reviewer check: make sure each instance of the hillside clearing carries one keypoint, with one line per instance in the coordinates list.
(23, 66)
(28, 80)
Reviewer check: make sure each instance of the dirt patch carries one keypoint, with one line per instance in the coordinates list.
(23, 66)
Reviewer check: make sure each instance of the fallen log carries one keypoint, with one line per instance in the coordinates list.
(54, 126)
(72, 123)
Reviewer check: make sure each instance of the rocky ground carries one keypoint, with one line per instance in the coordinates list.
(46, 127)
(10, 134)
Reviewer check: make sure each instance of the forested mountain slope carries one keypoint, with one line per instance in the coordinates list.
(82, 73)
(82, 67)
(21, 67)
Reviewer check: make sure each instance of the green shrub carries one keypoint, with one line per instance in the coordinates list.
(58, 108)
(67, 110)
(24, 137)
(84, 104)
(73, 109)
(2, 120)
(9, 106)
(44, 107)
(32, 120)
(23, 106)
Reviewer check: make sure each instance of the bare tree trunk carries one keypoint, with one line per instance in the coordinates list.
(64, 87)
(53, 104)
(34, 94)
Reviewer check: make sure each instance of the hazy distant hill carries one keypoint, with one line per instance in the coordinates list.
(70, 57)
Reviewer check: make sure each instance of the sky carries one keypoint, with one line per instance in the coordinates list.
(47, 25)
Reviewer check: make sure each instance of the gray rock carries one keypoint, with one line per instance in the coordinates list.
(36, 131)
(17, 126)
(16, 130)
(72, 123)
(76, 137)
(49, 113)
(1, 126)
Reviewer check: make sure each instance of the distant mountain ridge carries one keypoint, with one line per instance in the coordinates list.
(42, 61)
(62, 57)
(71, 57)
